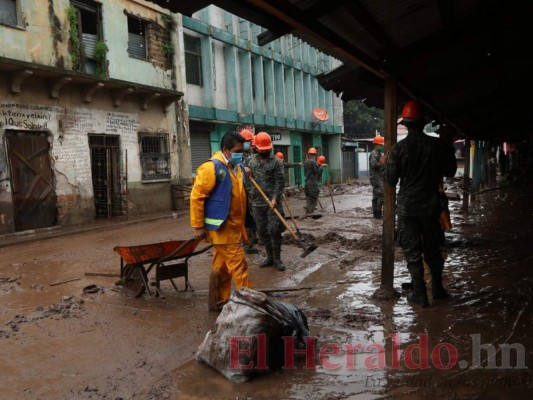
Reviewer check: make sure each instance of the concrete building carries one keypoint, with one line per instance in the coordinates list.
(89, 99)
(233, 83)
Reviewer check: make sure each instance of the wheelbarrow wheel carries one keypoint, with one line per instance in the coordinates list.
(133, 280)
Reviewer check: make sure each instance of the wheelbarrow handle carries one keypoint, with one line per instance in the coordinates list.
(278, 214)
(181, 247)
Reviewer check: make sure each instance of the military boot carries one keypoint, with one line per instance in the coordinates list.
(269, 260)
(277, 260)
(419, 294)
(437, 289)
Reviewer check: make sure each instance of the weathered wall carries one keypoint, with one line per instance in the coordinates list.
(68, 123)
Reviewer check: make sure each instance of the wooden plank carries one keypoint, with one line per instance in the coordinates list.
(387, 262)
(25, 162)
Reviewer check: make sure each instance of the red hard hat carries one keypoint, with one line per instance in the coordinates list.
(412, 110)
(379, 140)
(321, 160)
(247, 134)
(263, 141)
(312, 150)
(280, 155)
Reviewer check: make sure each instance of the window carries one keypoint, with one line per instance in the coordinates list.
(89, 29)
(155, 158)
(8, 12)
(193, 60)
(137, 38)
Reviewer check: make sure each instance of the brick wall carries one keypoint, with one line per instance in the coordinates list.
(158, 37)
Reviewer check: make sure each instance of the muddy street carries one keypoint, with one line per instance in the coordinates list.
(67, 335)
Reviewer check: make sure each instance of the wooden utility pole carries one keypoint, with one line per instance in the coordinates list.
(386, 291)
(466, 176)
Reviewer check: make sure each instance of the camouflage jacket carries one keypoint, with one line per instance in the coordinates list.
(419, 162)
(376, 170)
(312, 172)
(269, 175)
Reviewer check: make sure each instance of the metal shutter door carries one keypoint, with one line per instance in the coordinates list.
(200, 148)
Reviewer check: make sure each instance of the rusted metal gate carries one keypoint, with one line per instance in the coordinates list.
(32, 181)
(105, 168)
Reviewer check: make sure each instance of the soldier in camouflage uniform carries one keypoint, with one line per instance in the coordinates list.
(377, 167)
(250, 225)
(312, 177)
(268, 171)
(419, 162)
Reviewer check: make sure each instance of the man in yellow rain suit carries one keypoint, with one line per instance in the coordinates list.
(218, 212)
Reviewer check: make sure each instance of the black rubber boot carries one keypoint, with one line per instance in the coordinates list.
(267, 262)
(419, 294)
(277, 260)
(250, 249)
(437, 289)
(420, 298)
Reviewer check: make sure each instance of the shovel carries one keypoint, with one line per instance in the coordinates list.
(331, 195)
(307, 250)
(320, 204)
(292, 217)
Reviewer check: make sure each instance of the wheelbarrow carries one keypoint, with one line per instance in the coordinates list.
(169, 259)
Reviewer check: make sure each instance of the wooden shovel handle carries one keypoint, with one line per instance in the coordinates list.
(273, 209)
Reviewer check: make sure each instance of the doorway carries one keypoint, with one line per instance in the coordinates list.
(32, 180)
(105, 169)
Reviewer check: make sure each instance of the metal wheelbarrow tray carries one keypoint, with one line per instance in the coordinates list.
(136, 262)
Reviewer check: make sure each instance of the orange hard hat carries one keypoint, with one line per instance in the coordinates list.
(321, 160)
(247, 134)
(412, 110)
(280, 155)
(312, 150)
(379, 140)
(263, 141)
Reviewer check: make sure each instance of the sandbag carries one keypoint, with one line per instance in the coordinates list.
(234, 341)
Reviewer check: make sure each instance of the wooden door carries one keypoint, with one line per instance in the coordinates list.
(32, 182)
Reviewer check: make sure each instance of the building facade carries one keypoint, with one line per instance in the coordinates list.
(233, 83)
(89, 100)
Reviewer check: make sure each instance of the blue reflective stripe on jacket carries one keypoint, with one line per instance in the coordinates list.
(217, 204)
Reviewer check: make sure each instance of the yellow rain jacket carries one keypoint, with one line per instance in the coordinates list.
(232, 230)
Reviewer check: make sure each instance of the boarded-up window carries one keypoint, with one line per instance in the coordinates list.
(137, 38)
(155, 158)
(193, 60)
(8, 12)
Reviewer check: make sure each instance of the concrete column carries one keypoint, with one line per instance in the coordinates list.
(289, 93)
(245, 64)
(230, 59)
(280, 89)
(259, 85)
(270, 93)
(299, 94)
(207, 71)
(314, 92)
(307, 97)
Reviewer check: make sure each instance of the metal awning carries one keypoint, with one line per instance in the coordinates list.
(467, 60)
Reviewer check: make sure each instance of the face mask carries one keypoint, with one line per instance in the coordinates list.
(381, 148)
(236, 158)
(246, 146)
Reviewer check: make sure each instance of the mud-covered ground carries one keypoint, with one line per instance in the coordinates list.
(59, 341)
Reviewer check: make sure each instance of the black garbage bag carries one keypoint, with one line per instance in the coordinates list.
(247, 338)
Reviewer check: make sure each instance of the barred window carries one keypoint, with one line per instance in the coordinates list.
(193, 60)
(137, 37)
(155, 158)
(8, 12)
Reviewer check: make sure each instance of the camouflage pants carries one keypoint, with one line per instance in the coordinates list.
(311, 197)
(269, 229)
(420, 238)
(377, 195)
